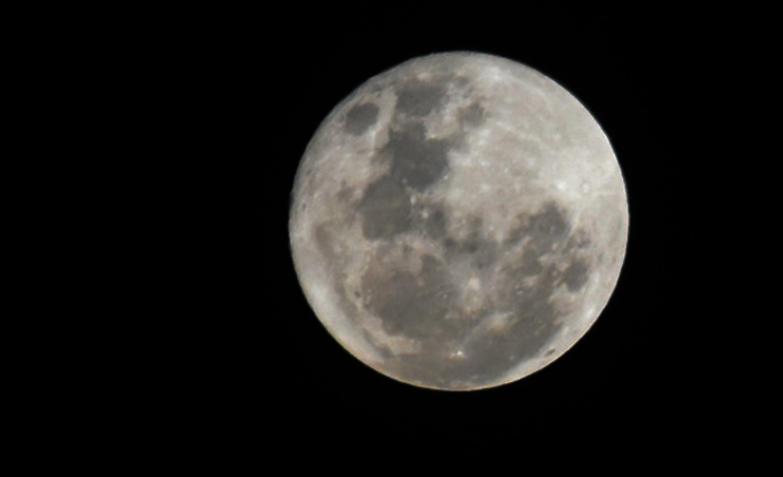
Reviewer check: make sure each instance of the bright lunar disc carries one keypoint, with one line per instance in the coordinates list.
(458, 222)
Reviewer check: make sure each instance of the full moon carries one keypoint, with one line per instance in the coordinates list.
(458, 222)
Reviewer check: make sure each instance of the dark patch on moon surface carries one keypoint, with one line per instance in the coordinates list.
(385, 208)
(419, 98)
(479, 250)
(345, 193)
(546, 227)
(579, 240)
(473, 115)
(360, 118)
(436, 222)
(348, 307)
(483, 254)
(576, 275)
(431, 219)
(417, 161)
(542, 229)
(425, 306)
(324, 242)
(412, 305)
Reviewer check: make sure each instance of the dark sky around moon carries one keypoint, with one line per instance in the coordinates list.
(281, 73)
(619, 367)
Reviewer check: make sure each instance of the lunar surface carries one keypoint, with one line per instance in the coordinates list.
(458, 222)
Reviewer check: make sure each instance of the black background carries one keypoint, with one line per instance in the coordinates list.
(261, 366)
(177, 326)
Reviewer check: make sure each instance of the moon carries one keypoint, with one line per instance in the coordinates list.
(458, 222)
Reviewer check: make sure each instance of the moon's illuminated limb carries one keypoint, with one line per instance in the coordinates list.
(459, 221)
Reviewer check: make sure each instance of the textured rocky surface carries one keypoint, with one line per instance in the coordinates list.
(458, 222)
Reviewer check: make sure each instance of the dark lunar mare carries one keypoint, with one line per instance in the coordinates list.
(423, 306)
(418, 98)
(415, 162)
(360, 118)
(385, 208)
(435, 224)
(414, 305)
